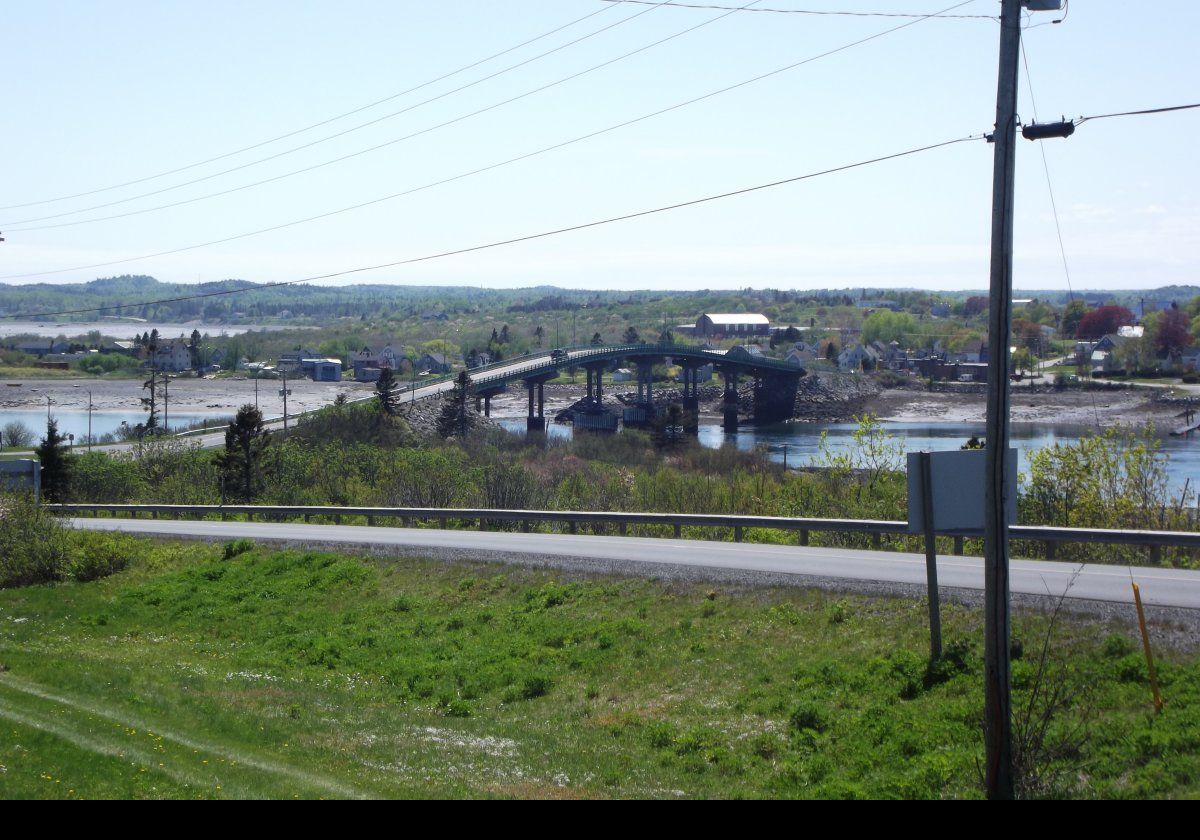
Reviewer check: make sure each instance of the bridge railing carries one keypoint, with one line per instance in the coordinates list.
(1153, 541)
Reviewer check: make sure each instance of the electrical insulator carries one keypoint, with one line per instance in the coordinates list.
(1044, 131)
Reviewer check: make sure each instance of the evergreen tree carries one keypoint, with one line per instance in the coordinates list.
(455, 415)
(56, 464)
(194, 349)
(240, 465)
(150, 403)
(385, 389)
(597, 340)
(631, 336)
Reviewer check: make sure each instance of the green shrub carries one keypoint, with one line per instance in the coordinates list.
(96, 554)
(807, 716)
(34, 546)
(233, 549)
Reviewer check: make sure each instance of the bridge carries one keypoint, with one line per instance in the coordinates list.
(774, 381)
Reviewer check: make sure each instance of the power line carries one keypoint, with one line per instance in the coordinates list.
(382, 199)
(831, 13)
(526, 238)
(350, 113)
(392, 142)
(1081, 120)
(367, 124)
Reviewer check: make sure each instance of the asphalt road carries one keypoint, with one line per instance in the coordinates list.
(637, 555)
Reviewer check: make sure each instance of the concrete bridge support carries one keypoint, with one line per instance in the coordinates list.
(729, 402)
(691, 389)
(775, 397)
(595, 383)
(536, 420)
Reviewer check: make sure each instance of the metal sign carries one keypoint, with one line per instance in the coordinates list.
(957, 490)
(22, 475)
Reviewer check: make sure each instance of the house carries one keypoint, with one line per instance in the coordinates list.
(622, 375)
(434, 363)
(479, 358)
(174, 355)
(973, 352)
(365, 361)
(801, 354)
(43, 347)
(738, 323)
(745, 351)
(800, 358)
(891, 356)
(940, 310)
(1189, 359)
(293, 361)
(858, 357)
(327, 370)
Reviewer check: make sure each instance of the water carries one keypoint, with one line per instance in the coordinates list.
(801, 442)
(103, 422)
(126, 330)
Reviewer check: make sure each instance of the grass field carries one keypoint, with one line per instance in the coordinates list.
(289, 674)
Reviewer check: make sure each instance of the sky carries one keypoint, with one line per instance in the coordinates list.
(98, 95)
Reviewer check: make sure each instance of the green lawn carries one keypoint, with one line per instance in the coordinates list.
(291, 674)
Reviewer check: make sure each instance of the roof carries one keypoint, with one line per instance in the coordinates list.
(736, 318)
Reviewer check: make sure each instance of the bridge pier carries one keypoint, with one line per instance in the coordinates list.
(642, 412)
(691, 399)
(775, 397)
(729, 403)
(595, 383)
(536, 420)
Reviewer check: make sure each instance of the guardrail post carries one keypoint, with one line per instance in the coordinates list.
(623, 528)
(442, 523)
(877, 540)
(737, 533)
(678, 530)
(1051, 546)
(803, 536)
(156, 514)
(958, 546)
(370, 520)
(482, 524)
(1156, 555)
(224, 516)
(524, 526)
(573, 526)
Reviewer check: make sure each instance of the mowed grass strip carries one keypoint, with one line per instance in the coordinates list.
(199, 672)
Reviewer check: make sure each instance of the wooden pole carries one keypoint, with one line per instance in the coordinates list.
(931, 578)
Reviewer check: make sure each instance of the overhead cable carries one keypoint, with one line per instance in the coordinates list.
(526, 238)
(324, 122)
(382, 199)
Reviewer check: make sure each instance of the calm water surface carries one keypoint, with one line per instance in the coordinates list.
(801, 442)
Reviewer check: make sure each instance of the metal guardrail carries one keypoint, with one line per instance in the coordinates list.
(1154, 541)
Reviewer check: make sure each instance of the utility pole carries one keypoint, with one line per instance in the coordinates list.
(997, 724)
(284, 392)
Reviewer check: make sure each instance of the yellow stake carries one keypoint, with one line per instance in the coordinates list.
(1137, 598)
